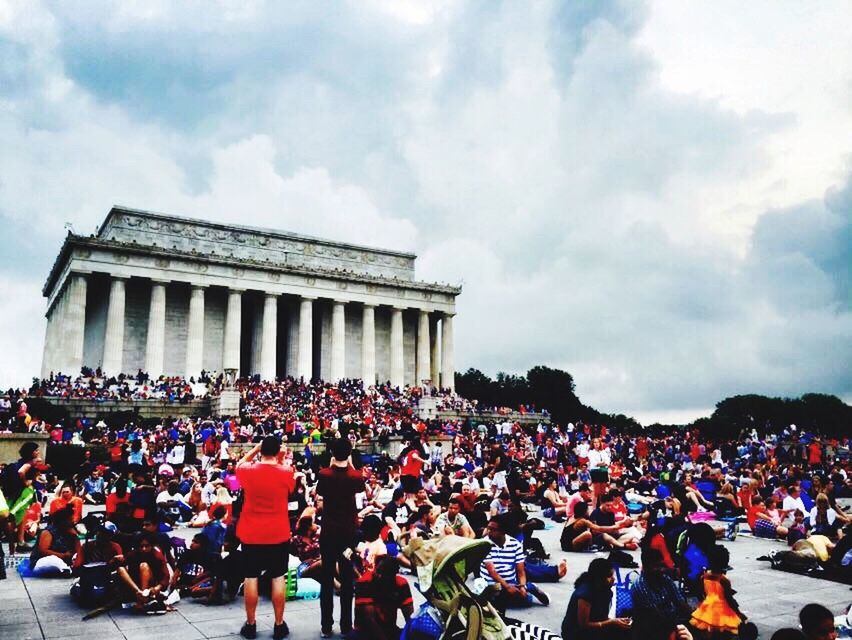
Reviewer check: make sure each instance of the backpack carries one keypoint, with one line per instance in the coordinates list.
(94, 586)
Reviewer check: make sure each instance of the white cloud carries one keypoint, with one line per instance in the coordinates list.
(605, 179)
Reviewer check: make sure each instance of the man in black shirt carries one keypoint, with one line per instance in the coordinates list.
(338, 484)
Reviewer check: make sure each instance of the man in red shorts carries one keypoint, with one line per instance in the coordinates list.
(264, 529)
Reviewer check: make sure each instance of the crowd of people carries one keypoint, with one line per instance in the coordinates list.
(94, 385)
(346, 519)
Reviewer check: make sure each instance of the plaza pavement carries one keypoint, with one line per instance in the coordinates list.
(41, 608)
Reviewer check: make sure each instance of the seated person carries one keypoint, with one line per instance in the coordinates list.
(101, 549)
(761, 520)
(56, 546)
(151, 527)
(144, 578)
(216, 529)
(504, 565)
(823, 519)
(552, 500)
(68, 498)
(171, 504)
(305, 545)
(195, 570)
(580, 532)
(817, 622)
(379, 596)
(95, 565)
(453, 522)
(658, 603)
(93, 488)
(587, 615)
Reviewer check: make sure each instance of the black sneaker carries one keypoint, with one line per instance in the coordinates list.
(249, 631)
(538, 594)
(327, 633)
(280, 631)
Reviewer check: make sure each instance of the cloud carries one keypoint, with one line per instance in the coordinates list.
(602, 217)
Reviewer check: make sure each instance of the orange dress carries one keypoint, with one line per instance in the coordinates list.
(715, 613)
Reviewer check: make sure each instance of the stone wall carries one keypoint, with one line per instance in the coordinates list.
(10, 443)
(493, 416)
(83, 408)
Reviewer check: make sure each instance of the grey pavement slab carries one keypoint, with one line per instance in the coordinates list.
(40, 609)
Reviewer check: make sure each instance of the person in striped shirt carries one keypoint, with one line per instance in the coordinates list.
(504, 565)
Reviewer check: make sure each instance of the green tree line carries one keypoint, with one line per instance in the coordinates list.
(553, 390)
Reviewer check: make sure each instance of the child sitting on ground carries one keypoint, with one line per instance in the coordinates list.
(718, 614)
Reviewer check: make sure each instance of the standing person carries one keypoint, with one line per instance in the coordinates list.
(337, 485)
(411, 462)
(264, 529)
(14, 484)
(599, 461)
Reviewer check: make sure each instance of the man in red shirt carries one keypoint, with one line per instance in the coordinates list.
(264, 529)
(338, 484)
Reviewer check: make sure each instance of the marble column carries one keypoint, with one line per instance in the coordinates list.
(306, 339)
(60, 356)
(233, 329)
(51, 336)
(423, 365)
(114, 338)
(74, 319)
(156, 341)
(292, 368)
(434, 359)
(448, 373)
(269, 337)
(195, 333)
(338, 340)
(368, 345)
(397, 364)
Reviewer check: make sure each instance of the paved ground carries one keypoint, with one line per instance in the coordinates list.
(34, 608)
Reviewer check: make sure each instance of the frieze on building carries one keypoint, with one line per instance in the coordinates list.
(260, 245)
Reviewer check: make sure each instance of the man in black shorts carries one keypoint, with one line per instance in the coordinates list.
(264, 529)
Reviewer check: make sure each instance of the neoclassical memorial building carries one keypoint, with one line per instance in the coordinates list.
(171, 295)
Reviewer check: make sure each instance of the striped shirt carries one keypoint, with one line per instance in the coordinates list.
(505, 560)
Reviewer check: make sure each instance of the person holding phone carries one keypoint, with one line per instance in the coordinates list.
(587, 616)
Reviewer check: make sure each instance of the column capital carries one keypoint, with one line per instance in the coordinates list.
(398, 308)
(198, 285)
(118, 276)
(160, 281)
(338, 301)
(80, 272)
(235, 290)
(271, 294)
(310, 298)
(447, 314)
(369, 305)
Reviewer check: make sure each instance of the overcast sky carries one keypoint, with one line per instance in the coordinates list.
(654, 196)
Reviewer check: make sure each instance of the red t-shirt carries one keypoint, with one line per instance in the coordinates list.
(266, 490)
(112, 502)
(411, 465)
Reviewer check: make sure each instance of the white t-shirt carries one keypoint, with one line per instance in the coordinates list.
(600, 458)
(165, 496)
(792, 505)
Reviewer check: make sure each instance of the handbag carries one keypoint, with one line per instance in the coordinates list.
(622, 597)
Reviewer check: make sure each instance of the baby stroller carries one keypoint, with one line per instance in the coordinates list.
(442, 567)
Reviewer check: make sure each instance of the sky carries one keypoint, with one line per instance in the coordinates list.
(654, 196)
